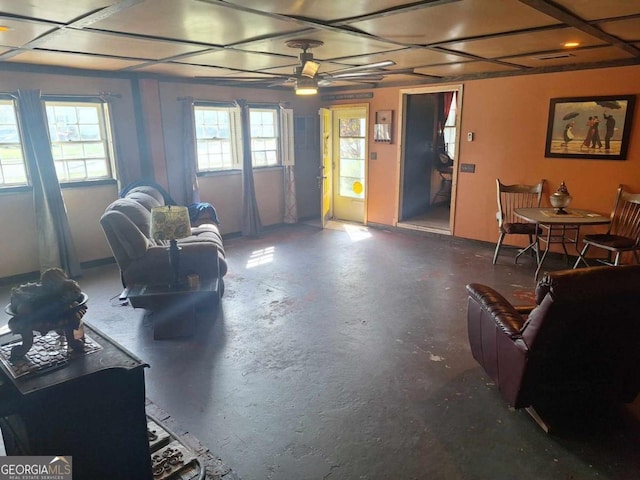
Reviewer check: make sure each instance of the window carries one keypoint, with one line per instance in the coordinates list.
(264, 137)
(219, 137)
(449, 130)
(352, 156)
(80, 140)
(215, 138)
(12, 168)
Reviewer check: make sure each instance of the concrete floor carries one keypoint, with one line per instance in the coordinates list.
(344, 355)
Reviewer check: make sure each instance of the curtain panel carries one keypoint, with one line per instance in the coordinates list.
(55, 243)
(251, 224)
(190, 177)
(288, 162)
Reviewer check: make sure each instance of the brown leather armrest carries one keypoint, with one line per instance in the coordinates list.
(505, 315)
(524, 309)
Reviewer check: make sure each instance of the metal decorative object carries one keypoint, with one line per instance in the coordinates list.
(561, 199)
(55, 303)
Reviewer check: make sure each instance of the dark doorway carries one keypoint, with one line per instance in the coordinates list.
(430, 137)
(420, 122)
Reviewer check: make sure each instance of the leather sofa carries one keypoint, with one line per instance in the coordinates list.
(580, 343)
(126, 223)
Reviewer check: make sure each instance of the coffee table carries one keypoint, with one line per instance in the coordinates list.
(173, 309)
(563, 229)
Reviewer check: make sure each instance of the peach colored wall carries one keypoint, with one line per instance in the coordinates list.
(509, 119)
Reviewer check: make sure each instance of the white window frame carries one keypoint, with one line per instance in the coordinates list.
(73, 154)
(265, 148)
(233, 143)
(18, 162)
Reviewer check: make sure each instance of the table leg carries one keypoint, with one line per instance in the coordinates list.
(533, 245)
(544, 254)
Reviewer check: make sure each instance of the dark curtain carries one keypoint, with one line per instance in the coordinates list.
(55, 244)
(124, 170)
(446, 98)
(251, 225)
(190, 180)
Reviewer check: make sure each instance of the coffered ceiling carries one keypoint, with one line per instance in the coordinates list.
(244, 41)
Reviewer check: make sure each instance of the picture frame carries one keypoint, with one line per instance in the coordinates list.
(590, 127)
(383, 126)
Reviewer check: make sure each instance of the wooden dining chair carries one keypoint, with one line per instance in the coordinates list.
(511, 197)
(623, 234)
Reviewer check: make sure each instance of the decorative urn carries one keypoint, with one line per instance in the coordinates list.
(561, 199)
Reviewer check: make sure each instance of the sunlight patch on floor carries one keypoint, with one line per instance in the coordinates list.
(261, 257)
(355, 231)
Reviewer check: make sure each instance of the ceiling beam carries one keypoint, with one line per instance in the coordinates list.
(553, 10)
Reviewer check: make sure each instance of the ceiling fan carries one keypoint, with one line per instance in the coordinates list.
(306, 77)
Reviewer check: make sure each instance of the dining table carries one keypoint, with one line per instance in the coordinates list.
(559, 226)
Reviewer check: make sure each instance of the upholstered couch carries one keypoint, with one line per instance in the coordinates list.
(142, 260)
(580, 343)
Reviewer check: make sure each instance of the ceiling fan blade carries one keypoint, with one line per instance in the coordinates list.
(236, 79)
(374, 73)
(356, 75)
(368, 66)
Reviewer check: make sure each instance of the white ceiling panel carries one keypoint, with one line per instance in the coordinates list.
(455, 20)
(624, 29)
(15, 33)
(117, 45)
(193, 21)
(336, 45)
(597, 9)
(591, 55)
(58, 59)
(238, 60)
(539, 41)
(53, 10)
(182, 70)
(321, 10)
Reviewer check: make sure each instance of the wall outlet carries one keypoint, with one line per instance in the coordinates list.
(468, 167)
(469, 136)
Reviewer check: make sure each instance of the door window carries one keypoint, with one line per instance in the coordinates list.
(352, 157)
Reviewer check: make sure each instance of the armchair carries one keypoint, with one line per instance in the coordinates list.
(578, 344)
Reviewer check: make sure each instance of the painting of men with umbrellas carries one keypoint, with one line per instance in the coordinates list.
(590, 127)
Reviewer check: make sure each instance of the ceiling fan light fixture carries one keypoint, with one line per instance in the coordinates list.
(306, 86)
(309, 69)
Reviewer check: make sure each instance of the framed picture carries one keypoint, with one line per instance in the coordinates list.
(383, 126)
(590, 127)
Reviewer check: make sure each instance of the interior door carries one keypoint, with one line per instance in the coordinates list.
(349, 163)
(326, 170)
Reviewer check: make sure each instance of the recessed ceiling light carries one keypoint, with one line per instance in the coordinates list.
(571, 44)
